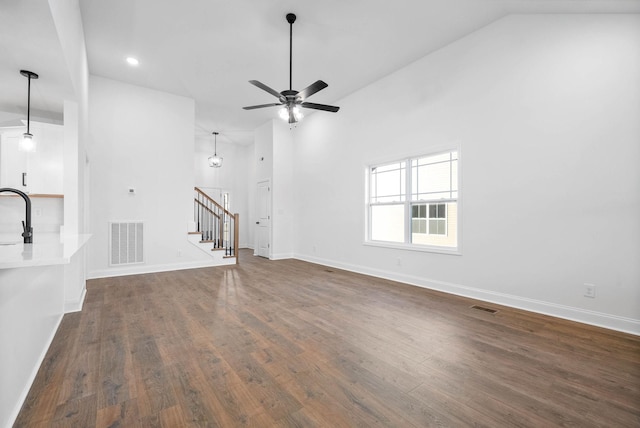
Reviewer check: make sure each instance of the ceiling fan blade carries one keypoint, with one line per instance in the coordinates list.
(324, 107)
(312, 89)
(262, 106)
(266, 88)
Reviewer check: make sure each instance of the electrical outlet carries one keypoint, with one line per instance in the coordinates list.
(399, 261)
(589, 291)
(179, 253)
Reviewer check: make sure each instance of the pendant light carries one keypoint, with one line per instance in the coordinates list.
(215, 161)
(27, 143)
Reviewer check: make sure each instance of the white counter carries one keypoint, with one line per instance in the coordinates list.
(39, 283)
(47, 249)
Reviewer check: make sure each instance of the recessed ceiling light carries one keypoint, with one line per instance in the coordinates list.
(132, 61)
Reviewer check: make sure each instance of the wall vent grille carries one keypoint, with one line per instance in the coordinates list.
(482, 308)
(126, 243)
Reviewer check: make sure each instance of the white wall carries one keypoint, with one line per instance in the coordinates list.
(273, 160)
(544, 110)
(282, 194)
(263, 147)
(263, 158)
(249, 232)
(143, 139)
(71, 172)
(68, 21)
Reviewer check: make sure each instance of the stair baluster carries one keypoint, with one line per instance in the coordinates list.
(216, 225)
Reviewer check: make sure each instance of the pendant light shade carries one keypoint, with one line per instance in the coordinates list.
(28, 144)
(215, 161)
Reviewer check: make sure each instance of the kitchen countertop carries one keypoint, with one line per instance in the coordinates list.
(47, 249)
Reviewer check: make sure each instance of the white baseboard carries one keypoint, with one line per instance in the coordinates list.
(599, 319)
(142, 269)
(281, 256)
(75, 306)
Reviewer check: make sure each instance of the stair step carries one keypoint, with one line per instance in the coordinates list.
(218, 258)
(206, 241)
(218, 249)
(194, 233)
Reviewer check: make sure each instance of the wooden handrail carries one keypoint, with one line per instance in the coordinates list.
(212, 201)
(206, 207)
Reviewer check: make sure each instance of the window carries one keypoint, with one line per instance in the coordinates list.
(225, 205)
(388, 183)
(415, 201)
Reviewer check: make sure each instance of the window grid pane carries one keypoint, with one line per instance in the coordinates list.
(388, 183)
(435, 177)
(387, 223)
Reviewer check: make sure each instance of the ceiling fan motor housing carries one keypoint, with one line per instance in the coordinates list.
(290, 94)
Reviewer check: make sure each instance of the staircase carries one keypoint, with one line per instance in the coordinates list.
(216, 229)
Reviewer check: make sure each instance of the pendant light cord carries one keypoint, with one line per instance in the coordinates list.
(28, 103)
(29, 75)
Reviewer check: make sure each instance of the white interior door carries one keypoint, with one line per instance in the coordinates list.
(263, 223)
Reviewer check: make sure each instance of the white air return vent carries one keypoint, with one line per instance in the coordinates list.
(125, 243)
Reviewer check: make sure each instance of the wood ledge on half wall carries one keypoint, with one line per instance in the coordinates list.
(36, 195)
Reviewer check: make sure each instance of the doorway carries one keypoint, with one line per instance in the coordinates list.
(263, 223)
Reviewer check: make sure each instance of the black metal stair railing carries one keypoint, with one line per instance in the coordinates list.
(216, 224)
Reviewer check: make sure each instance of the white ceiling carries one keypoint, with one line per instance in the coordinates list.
(28, 40)
(209, 49)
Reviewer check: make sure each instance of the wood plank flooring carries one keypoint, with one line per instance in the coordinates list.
(293, 344)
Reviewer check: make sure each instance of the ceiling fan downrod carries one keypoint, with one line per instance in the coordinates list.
(291, 18)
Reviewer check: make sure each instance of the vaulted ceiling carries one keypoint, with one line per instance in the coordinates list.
(209, 49)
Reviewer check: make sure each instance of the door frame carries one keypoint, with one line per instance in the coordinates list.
(259, 225)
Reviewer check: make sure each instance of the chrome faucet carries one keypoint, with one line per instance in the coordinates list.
(26, 224)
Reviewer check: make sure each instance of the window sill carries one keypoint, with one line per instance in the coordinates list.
(410, 247)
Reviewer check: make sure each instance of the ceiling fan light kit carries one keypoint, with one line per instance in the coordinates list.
(286, 112)
(290, 99)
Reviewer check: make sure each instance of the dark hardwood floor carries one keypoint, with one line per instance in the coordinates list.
(289, 343)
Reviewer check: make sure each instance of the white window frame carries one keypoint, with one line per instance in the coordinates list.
(407, 244)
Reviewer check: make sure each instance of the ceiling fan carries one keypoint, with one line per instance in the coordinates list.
(289, 99)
